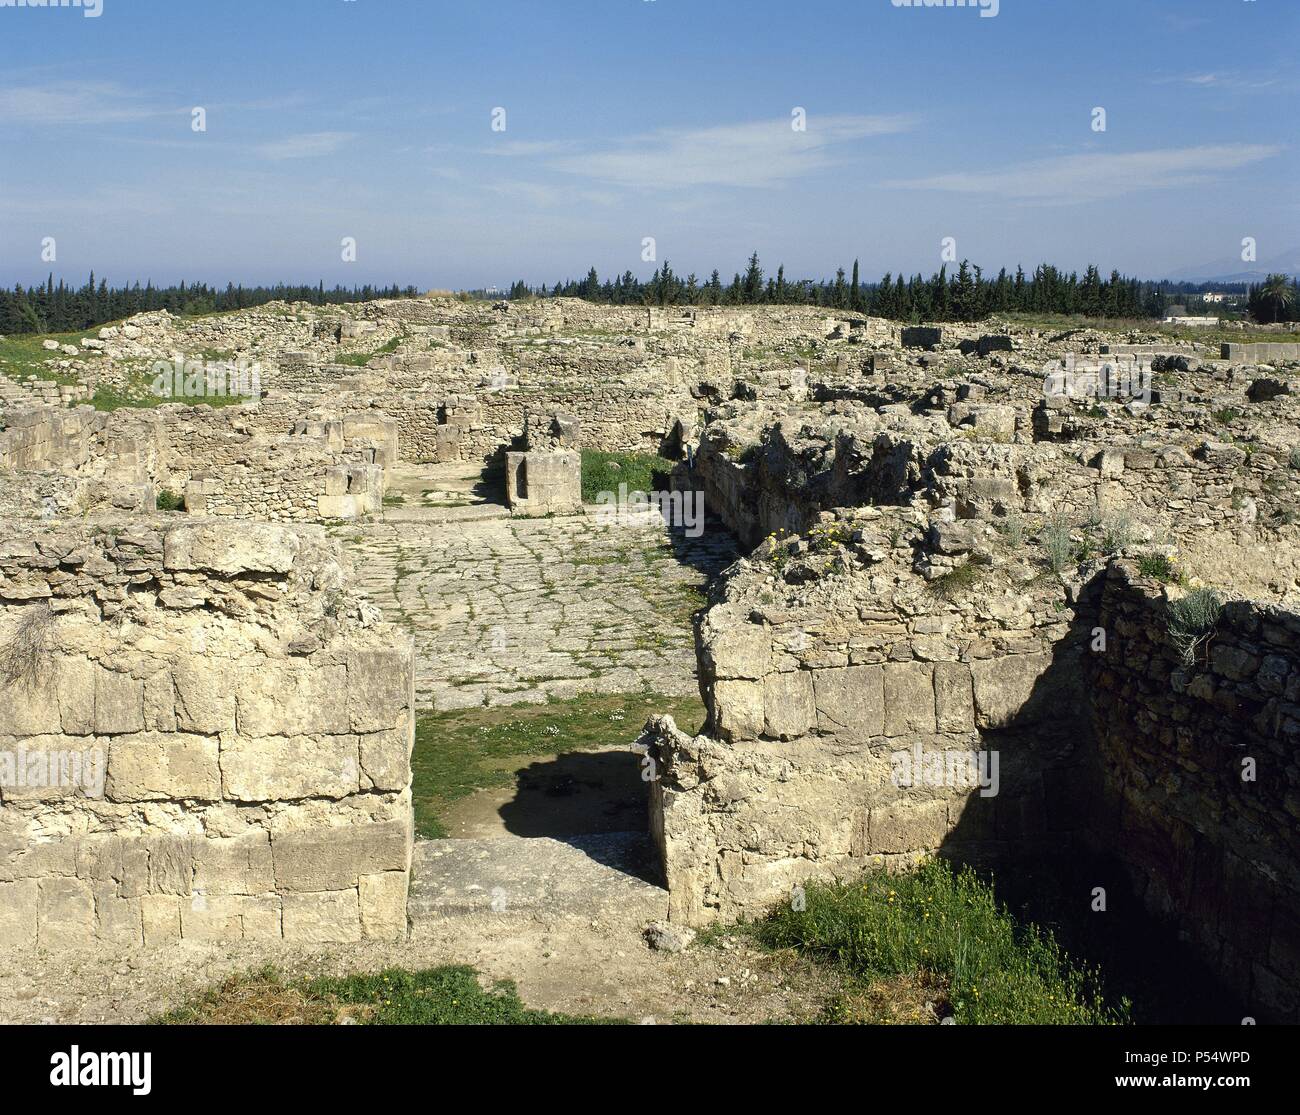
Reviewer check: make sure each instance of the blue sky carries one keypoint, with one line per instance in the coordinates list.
(627, 119)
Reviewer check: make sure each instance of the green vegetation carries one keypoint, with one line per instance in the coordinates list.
(956, 583)
(463, 750)
(394, 499)
(446, 996)
(1057, 543)
(1294, 459)
(604, 472)
(1226, 415)
(361, 359)
(25, 355)
(167, 500)
(1191, 622)
(1161, 568)
(946, 932)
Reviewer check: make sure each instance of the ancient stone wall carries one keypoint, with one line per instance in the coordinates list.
(203, 735)
(1202, 786)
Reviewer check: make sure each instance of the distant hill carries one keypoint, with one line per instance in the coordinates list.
(1229, 270)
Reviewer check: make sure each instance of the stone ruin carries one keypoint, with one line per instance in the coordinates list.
(545, 477)
(955, 580)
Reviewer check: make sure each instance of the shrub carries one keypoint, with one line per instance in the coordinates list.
(1191, 621)
(1116, 532)
(29, 649)
(1056, 541)
(1294, 459)
(169, 501)
(1160, 567)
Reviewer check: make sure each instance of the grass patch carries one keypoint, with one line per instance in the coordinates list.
(1191, 622)
(24, 355)
(167, 500)
(956, 583)
(446, 996)
(944, 934)
(463, 750)
(1160, 567)
(361, 359)
(604, 472)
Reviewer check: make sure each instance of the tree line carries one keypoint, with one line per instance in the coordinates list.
(965, 294)
(61, 308)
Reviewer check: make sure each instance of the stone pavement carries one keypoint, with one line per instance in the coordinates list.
(514, 611)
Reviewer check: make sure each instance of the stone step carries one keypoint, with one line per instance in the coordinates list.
(603, 876)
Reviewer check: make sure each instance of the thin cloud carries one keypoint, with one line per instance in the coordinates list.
(1219, 80)
(1095, 176)
(760, 153)
(309, 145)
(73, 103)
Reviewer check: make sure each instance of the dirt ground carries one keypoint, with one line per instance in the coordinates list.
(563, 964)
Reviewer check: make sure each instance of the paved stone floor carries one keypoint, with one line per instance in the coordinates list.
(512, 611)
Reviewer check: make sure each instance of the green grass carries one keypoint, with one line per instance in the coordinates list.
(140, 395)
(948, 931)
(604, 472)
(956, 583)
(463, 750)
(23, 355)
(167, 500)
(361, 359)
(1160, 567)
(446, 996)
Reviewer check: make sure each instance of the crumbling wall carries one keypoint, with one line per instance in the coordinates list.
(203, 735)
(1202, 786)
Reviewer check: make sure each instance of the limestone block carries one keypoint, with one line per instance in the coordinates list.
(160, 703)
(171, 864)
(381, 690)
(155, 766)
(224, 917)
(907, 825)
(333, 858)
(247, 547)
(18, 904)
(954, 699)
(732, 647)
(737, 709)
(65, 913)
(386, 759)
(909, 698)
(160, 918)
(30, 710)
(76, 688)
(119, 703)
(850, 701)
(322, 917)
(789, 710)
(292, 700)
(234, 865)
(117, 919)
(383, 905)
(286, 768)
(205, 695)
(1004, 685)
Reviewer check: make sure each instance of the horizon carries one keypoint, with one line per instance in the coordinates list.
(442, 190)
